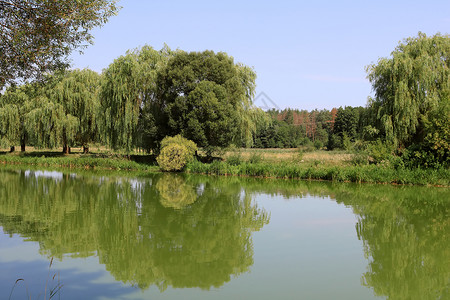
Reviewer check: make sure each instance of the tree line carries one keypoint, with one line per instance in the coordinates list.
(147, 94)
(291, 128)
(408, 117)
(139, 99)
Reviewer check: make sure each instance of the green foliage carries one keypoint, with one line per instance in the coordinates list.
(15, 104)
(318, 145)
(356, 173)
(175, 153)
(173, 158)
(235, 159)
(128, 97)
(298, 155)
(410, 86)
(255, 158)
(77, 91)
(85, 162)
(346, 123)
(334, 142)
(346, 142)
(50, 125)
(37, 36)
(437, 141)
(179, 140)
(9, 125)
(421, 157)
(206, 97)
(359, 159)
(121, 102)
(380, 151)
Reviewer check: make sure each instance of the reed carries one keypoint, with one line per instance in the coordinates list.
(335, 173)
(50, 290)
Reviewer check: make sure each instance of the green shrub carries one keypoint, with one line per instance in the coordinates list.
(421, 157)
(380, 151)
(173, 157)
(175, 153)
(255, 158)
(234, 159)
(191, 147)
(346, 142)
(334, 142)
(318, 145)
(359, 159)
(297, 156)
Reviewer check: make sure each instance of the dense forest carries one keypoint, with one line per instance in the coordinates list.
(147, 94)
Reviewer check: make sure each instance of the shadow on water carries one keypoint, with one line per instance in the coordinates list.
(195, 231)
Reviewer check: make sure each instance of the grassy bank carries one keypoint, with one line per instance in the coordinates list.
(269, 163)
(317, 171)
(85, 161)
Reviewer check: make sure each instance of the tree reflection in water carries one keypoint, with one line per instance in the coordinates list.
(166, 230)
(191, 231)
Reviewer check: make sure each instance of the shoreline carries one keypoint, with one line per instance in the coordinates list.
(371, 174)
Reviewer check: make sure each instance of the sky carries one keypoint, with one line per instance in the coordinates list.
(306, 54)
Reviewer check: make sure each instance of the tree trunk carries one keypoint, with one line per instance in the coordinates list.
(12, 149)
(23, 142)
(85, 149)
(66, 149)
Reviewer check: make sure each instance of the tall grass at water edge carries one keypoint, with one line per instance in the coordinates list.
(315, 171)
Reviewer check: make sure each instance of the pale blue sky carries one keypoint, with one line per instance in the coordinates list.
(307, 54)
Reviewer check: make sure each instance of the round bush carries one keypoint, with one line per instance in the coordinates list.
(179, 140)
(173, 157)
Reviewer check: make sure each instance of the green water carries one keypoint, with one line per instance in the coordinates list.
(165, 236)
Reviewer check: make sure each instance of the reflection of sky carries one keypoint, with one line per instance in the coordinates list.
(82, 278)
(57, 176)
(309, 250)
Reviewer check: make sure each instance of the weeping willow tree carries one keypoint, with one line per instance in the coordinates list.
(77, 92)
(15, 104)
(411, 87)
(127, 87)
(9, 125)
(50, 126)
(249, 116)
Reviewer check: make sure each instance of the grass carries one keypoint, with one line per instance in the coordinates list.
(101, 160)
(336, 173)
(337, 166)
(288, 155)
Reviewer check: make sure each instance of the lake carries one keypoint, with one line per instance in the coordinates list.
(112, 235)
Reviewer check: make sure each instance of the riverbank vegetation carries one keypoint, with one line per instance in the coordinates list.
(336, 166)
(205, 98)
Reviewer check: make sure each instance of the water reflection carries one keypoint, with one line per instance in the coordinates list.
(166, 230)
(405, 232)
(406, 238)
(174, 192)
(190, 231)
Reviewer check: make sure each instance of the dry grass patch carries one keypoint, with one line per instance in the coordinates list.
(293, 155)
